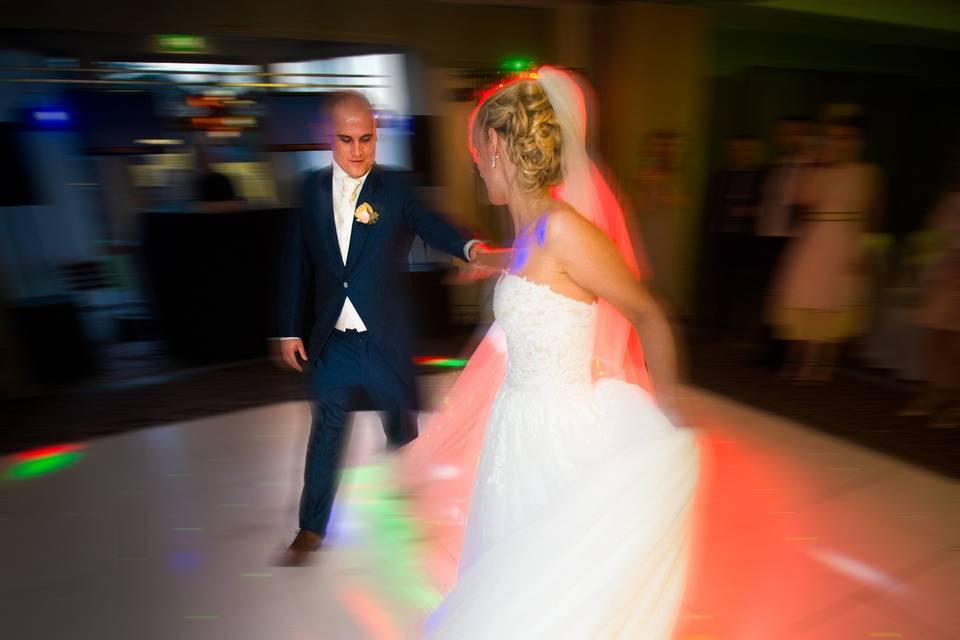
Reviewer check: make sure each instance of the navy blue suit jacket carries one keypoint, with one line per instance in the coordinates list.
(374, 276)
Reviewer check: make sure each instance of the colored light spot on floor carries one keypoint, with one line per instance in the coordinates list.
(36, 463)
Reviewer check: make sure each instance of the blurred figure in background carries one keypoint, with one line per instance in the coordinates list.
(779, 209)
(819, 292)
(660, 199)
(778, 214)
(732, 279)
(212, 190)
(939, 315)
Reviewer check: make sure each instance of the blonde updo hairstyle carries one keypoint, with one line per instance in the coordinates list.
(523, 116)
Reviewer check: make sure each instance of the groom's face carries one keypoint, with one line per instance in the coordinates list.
(354, 137)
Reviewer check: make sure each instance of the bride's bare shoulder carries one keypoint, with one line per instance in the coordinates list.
(563, 226)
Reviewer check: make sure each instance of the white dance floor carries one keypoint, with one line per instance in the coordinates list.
(171, 533)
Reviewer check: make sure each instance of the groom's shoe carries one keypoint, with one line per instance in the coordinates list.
(301, 550)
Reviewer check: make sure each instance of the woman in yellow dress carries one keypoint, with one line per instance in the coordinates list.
(820, 295)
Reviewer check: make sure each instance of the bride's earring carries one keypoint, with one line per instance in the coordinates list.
(493, 165)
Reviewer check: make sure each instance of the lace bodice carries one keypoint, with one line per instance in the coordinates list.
(549, 335)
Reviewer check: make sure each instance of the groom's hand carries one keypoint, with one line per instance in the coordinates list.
(286, 352)
(476, 249)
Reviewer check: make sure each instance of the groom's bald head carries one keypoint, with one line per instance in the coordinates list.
(341, 102)
(352, 129)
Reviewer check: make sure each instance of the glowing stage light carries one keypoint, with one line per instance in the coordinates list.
(215, 102)
(43, 452)
(858, 570)
(517, 64)
(179, 43)
(223, 121)
(394, 534)
(43, 461)
(51, 116)
(433, 361)
(369, 613)
(223, 134)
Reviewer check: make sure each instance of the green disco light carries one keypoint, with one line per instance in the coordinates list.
(40, 462)
(517, 64)
(43, 466)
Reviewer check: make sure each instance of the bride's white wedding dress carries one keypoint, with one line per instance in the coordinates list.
(579, 517)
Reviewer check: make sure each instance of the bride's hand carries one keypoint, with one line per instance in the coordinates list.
(484, 263)
(483, 258)
(672, 402)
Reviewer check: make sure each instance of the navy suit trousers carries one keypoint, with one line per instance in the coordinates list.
(350, 374)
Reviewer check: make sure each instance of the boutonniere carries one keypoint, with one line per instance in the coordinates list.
(365, 214)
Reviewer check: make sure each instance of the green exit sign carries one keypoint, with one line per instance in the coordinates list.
(178, 43)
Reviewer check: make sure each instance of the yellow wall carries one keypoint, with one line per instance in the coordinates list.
(650, 74)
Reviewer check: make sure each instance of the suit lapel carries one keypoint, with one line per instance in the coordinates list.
(326, 222)
(360, 231)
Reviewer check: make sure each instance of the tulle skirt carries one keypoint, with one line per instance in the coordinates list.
(579, 521)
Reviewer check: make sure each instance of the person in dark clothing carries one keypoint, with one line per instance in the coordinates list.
(731, 217)
(778, 213)
(212, 189)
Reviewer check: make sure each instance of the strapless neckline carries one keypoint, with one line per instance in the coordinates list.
(545, 287)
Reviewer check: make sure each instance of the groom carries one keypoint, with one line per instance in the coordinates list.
(349, 242)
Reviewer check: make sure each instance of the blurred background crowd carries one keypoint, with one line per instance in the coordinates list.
(792, 169)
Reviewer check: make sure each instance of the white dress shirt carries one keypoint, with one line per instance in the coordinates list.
(346, 190)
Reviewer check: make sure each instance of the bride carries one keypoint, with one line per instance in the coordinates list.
(554, 483)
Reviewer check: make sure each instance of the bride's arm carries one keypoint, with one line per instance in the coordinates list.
(594, 263)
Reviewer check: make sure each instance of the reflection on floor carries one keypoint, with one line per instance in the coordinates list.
(171, 532)
(860, 404)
